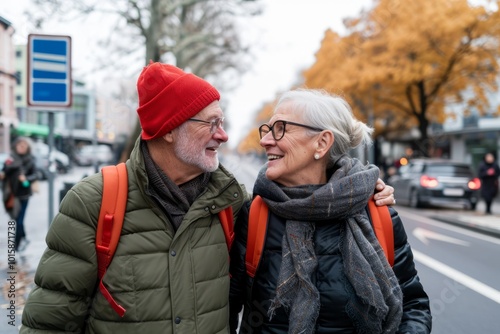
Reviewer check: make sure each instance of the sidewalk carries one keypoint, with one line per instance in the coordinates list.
(476, 220)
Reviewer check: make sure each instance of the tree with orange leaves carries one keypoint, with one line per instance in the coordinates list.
(251, 142)
(403, 61)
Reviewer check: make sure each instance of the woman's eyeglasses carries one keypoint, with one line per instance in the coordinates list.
(278, 129)
(214, 124)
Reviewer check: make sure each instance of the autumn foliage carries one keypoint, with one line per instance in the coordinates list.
(251, 142)
(405, 60)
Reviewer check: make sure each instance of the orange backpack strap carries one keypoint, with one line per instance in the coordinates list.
(382, 225)
(109, 225)
(257, 227)
(226, 220)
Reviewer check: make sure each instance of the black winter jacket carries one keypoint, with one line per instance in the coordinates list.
(16, 165)
(489, 182)
(255, 294)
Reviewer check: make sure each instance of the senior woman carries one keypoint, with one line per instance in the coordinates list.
(322, 269)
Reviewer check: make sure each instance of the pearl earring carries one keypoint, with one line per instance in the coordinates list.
(316, 156)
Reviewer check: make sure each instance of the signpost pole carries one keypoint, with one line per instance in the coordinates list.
(52, 169)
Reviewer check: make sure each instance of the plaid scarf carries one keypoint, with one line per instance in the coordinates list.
(376, 303)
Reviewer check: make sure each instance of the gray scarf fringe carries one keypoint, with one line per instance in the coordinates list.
(376, 306)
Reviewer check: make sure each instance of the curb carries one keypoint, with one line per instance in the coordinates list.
(469, 225)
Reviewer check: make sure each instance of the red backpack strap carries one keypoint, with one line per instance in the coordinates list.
(257, 227)
(109, 225)
(382, 225)
(226, 220)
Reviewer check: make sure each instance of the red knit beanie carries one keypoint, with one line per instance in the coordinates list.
(168, 97)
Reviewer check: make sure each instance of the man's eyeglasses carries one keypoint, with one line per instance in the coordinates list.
(214, 124)
(278, 129)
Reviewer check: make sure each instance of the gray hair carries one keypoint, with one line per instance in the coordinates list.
(327, 111)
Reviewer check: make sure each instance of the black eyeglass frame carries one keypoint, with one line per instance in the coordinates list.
(214, 124)
(271, 128)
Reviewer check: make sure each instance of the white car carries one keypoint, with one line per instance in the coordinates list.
(40, 151)
(90, 154)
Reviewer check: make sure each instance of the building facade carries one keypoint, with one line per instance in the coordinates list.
(8, 117)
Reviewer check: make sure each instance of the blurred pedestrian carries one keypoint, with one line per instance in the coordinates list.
(322, 269)
(489, 172)
(18, 175)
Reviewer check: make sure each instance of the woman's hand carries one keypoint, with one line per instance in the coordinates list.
(384, 194)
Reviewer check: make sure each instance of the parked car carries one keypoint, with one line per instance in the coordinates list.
(436, 182)
(90, 154)
(40, 151)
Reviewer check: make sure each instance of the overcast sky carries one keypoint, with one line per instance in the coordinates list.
(284, 40)
(290, 34)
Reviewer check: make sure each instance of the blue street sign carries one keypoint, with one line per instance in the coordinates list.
(49, 71)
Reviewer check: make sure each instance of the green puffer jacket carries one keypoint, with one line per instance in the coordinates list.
(168, 283)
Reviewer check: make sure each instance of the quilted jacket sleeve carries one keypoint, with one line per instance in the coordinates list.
(237, 268)
(416, 310)
(66, 277)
